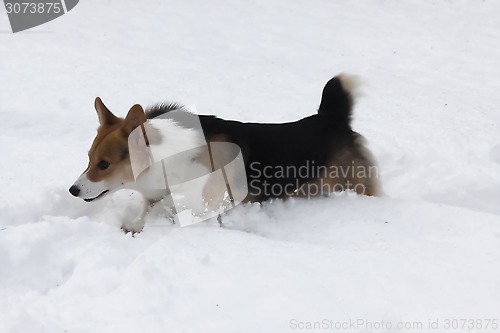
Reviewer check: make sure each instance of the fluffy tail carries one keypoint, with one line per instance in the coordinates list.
(338, 98)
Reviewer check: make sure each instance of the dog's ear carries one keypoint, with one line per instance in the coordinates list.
(106, 118)
(134, 118)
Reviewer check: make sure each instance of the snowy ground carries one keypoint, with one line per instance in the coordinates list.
(427, 250)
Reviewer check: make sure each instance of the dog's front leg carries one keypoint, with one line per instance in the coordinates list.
(137, 224)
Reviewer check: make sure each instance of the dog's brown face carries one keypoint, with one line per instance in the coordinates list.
(109, 165)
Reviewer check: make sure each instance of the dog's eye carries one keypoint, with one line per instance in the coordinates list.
(103, 165)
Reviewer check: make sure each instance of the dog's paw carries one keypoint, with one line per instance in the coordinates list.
(127, 230)
(133, 227)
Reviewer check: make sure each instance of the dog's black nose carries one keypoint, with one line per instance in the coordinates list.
(74, 190)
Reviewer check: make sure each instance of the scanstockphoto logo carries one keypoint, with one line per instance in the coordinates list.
(24, 14)
(195, 192)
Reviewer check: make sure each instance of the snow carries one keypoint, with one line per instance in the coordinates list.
(427, 250)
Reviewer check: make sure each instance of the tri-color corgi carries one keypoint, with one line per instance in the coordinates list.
(310, 157)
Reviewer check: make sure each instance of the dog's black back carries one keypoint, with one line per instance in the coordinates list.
(283, 157)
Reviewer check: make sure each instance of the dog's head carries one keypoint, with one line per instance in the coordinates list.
(109, 167)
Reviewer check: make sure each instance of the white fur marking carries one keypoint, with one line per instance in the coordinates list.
(89, 189)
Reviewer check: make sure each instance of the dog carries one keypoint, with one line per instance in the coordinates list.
(311, 157)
